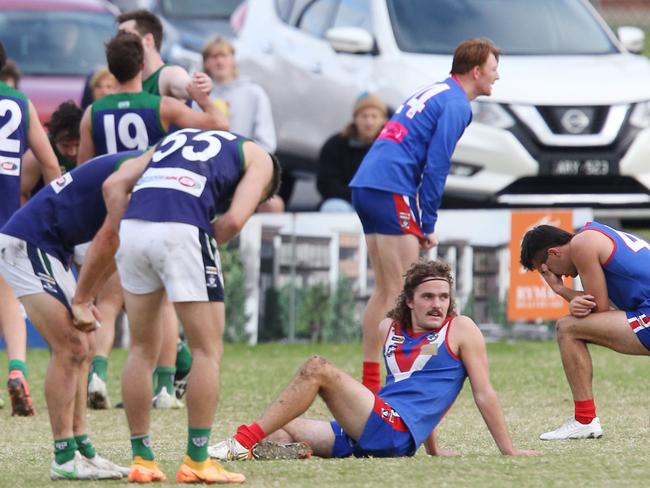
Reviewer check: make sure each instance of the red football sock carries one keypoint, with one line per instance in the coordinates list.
(249, 435)
(371, 378)
(585, 411)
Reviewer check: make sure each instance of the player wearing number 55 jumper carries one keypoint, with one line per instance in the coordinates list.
(398, 187)
(613, 266)
(131, 118)
(166, 247)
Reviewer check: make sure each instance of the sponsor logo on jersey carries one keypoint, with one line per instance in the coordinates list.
(390, 350)
(393, 131)
(9, 166)
(123, 104)
(430, 349)
(397, 339)
(60, 183)
(179, 179)
(389, 414)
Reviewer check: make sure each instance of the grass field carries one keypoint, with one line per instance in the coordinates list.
(527, 376)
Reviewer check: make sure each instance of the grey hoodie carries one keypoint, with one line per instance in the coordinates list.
(249, 111)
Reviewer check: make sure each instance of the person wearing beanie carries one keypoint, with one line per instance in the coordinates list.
(398, 187)
(343, 152)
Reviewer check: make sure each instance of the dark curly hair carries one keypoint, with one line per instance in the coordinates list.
(418, 273)
(65, 121)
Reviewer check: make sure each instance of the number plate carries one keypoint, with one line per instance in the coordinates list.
(582, 167)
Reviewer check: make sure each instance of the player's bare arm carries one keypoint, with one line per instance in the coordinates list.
(174, 80)
(433, 448)
(30, 172)
(118, 186)
(466, 337)
(40, 145)
(98, 266)
(589, 250)
(86, 143)
(175, 112)
(248, 194)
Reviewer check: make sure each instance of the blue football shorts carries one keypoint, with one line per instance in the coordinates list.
(385, 435)
(382, 212)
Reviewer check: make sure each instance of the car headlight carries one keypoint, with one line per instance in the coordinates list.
(640, 116)
(491, 114)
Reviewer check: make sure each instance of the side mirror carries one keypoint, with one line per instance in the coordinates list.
(632, 38)
(352, 40)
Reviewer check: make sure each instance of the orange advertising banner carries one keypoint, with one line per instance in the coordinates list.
(529, 297)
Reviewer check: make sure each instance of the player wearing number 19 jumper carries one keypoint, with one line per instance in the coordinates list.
(613, 266)
(132, 118)
(398, 187)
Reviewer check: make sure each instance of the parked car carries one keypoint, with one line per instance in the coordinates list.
(56, 44)
(570, 114)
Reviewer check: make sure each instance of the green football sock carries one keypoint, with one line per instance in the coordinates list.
(85, 447)
(183, 357)
(197, 444)
(163, 377)
(141, 446)
(100, 367)
(18, 364)
(64, 450)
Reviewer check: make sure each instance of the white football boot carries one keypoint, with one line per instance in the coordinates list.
(572, 429)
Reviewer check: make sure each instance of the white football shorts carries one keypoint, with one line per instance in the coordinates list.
(181, 258)
(29, 270)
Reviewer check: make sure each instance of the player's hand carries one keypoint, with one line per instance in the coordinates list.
(582, 305)
(202, 81)
(553, 280)
(85, 316)
(429, 241)
(198, 95)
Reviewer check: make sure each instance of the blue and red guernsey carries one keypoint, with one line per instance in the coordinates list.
(14, 125)
(68, 211)
(190, 179)
(423, 377)
(412, 154)
(126, 121)
(626, 269)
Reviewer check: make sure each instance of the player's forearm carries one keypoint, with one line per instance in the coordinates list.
(567, 293)
(98, 266)
(226, 227)
(490, 408)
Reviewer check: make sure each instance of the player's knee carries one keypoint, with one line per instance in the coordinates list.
(564, 326)
(314, 367)
(76, 350)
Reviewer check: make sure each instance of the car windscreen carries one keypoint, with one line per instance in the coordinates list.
(46, 42)
(199, 8)
(517, 26)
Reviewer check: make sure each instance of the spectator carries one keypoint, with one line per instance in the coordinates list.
(341, 155)
(102, 83)
(10, 74)
(246, 104)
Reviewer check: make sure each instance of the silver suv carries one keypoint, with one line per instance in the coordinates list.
(570, 114)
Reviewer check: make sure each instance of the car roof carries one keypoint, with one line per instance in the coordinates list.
(88, 5)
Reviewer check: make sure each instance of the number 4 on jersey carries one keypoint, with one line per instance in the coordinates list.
(633, 242)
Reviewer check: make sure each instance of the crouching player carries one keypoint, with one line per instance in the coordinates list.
(36, 250)
(428, 351)
(166, 246)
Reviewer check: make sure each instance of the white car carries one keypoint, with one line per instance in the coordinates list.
(568, 122)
